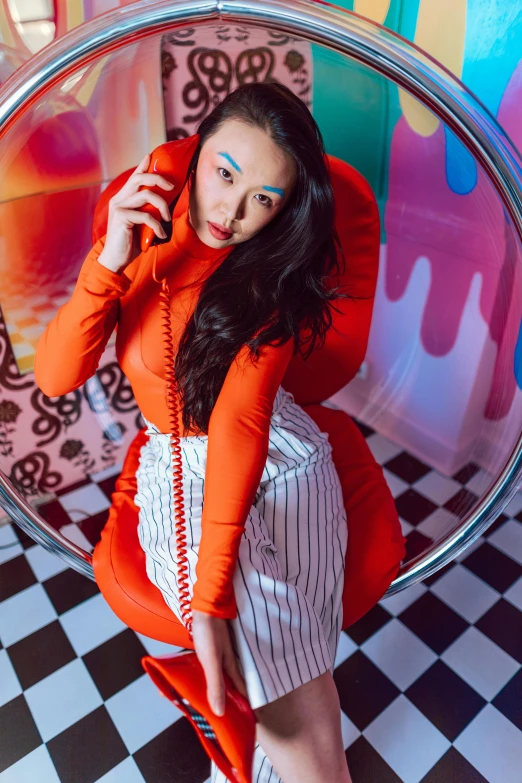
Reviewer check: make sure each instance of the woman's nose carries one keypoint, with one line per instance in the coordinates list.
(233, 209)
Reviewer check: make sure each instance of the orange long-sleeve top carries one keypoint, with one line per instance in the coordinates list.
(70, 349)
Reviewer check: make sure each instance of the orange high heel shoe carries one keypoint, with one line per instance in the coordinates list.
(229, 740)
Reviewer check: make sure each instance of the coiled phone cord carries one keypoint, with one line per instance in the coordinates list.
(239, 736)
(177, 463)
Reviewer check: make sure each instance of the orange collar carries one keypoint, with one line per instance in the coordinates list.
(186, 243)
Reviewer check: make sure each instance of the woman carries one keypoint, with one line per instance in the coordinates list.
(252, 245)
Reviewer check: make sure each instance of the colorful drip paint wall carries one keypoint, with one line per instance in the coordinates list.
(443, 371)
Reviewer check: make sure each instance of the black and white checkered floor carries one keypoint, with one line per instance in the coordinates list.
(430, 681)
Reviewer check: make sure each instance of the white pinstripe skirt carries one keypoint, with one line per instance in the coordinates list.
(289, 577)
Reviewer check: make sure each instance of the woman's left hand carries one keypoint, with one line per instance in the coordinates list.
(213, 647)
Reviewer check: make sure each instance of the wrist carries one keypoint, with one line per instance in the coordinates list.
(111, 265)
(197, 614)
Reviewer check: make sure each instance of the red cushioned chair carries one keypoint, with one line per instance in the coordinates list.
(375, 540)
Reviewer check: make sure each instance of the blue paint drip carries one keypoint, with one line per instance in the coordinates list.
(461, 169)
(518, 358)
(492, 48)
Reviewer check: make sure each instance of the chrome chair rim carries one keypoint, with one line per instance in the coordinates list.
(346, 33)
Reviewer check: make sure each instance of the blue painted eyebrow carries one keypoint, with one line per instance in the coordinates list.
(230, 160)
(274, 190)
(234, 164)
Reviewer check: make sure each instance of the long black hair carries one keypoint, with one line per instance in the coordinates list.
(274, 285)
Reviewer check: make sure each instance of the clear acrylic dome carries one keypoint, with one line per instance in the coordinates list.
(442, 377)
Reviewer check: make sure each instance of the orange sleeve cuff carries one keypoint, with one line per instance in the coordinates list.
(225, 613)
(100, 281)
(217, 557)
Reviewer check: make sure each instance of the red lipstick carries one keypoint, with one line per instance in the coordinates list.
(218, 231)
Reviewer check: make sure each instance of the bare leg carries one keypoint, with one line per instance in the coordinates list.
(301, 734)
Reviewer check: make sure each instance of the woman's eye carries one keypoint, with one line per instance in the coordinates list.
(225, 174)
(267, 202)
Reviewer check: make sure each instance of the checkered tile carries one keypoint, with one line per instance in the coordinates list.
(430, 681)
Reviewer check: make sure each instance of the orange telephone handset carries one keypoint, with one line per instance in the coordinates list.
(171, 160)
(230, 739)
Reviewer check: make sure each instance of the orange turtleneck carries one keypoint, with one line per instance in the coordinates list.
(70, 349)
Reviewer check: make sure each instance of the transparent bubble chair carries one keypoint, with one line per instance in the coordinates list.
(427, 351)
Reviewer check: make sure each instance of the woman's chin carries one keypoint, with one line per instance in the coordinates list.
(210, 241)
(204, 235)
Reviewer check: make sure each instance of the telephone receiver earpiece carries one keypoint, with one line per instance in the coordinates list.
(172, 160)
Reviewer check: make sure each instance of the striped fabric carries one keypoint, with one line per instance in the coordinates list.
(289, 577)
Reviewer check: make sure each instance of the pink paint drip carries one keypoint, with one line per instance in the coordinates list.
(461, 235)
(506, 315)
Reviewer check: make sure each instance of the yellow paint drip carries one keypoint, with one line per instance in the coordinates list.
(441, 31)
(85, 87)
(6, 34)
(376, 10)
(75, 14)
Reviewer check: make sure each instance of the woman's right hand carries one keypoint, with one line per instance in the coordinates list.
(122, 243)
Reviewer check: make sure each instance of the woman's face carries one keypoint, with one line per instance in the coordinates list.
(242, 181)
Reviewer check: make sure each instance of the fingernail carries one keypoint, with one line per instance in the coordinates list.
(218, 709)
